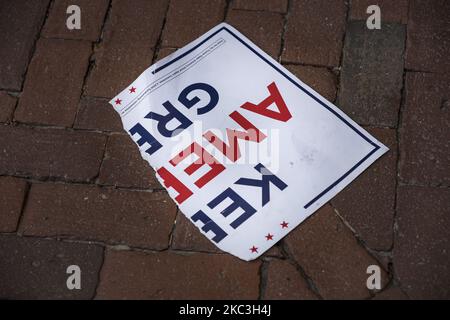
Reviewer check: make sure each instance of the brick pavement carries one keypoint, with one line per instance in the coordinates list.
(74, 190)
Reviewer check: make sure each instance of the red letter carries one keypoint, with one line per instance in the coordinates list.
(232, 151)
(204, 158)
(171, 181)
(262, 108)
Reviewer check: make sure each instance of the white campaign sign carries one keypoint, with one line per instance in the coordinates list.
(246, 149)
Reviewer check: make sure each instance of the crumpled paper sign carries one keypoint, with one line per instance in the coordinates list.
(245, 148)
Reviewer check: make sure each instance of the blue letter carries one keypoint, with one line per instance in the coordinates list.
(145, 137)
(189, 103)
(164, 120)
(238, 202)
(264, 183)
(209, 225)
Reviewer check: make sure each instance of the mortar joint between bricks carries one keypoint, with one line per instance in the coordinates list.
(263, 274)
(174, 225)
(399, 158)
(159, 41)
(99, 274)
(341, 58)
(92, 61)
(311, 285)
(227, 8)
(24, 205)
(31, 54)
(371, 252)
(283, 32)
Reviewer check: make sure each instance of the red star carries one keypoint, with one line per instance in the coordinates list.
(269, 237)
(284, 224)
(132, 90)
(254, 249)
(118, 101)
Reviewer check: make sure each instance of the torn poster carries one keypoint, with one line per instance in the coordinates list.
(246, 149)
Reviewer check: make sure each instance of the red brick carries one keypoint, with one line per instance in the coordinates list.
(7, 105)
(187, 237)
(425, 152)
(49, 153)
(187, 20)
(20, 22)
(320, 79)
(12, 195)
(391, 11)
(123, 165)
(36, 268)
(368, 203)
(127, 47)
(92, 17)
(421, 248)
(428, 41)
(97, 114)
(330, 255)
(264, 5)
(314, 32)
(285, 282)
(372, 73)
(54, 81)
(134, 218)
(168, 275)
(263, 28)
(391, 293)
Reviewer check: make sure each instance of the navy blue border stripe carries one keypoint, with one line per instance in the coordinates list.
(376, 147)
(341, 178)
(186, 53)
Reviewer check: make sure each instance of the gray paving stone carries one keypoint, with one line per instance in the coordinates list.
(372, 73)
